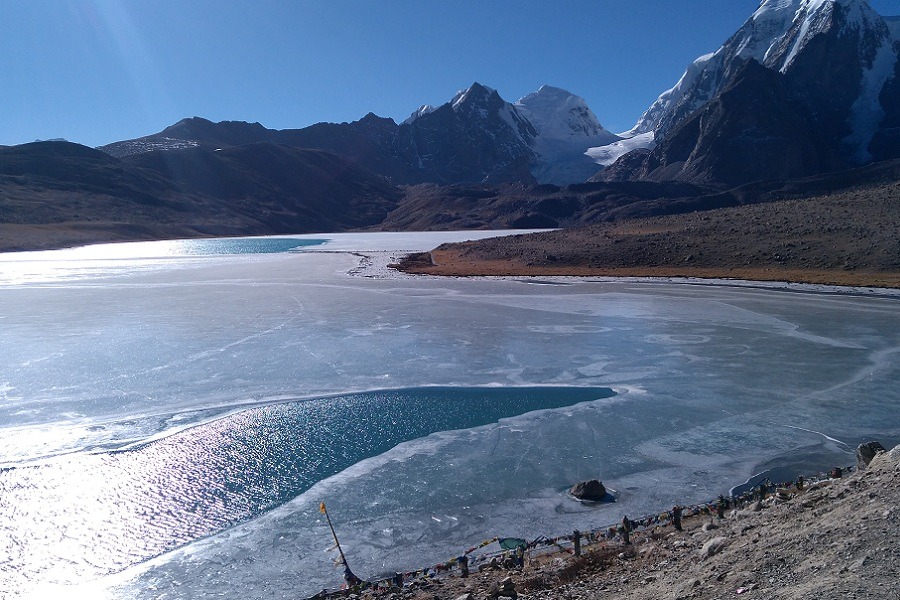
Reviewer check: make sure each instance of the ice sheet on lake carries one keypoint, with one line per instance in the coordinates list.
(711, 381)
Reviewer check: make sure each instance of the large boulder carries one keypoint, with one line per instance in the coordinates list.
(588, 490)
(713, 546)
(866, 452)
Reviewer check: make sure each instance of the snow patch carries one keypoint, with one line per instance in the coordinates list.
(422, 110)
(777, 24)
(610, 153)
(510, 117)
(766, 28)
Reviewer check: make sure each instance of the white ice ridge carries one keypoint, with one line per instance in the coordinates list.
(826, 436)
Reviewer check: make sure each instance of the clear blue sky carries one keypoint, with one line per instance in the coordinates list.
(97, 71)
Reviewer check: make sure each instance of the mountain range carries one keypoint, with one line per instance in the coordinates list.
(811, 86)
(803, 88)
(476, 137)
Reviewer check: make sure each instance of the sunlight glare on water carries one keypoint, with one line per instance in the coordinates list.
(100, 513)
(84, 261)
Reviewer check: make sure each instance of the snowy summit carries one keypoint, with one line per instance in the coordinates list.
(801, 39)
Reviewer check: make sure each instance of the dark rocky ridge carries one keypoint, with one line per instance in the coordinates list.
(56, 193)
(547, 206)
(478, 138)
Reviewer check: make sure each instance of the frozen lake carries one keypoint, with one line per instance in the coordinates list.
(172, 413)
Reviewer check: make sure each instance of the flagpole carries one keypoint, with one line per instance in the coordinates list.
(333, 534)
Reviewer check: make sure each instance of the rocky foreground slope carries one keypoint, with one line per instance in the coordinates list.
(834, 540)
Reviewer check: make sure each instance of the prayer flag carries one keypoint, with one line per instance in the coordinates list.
(512, 543)
(322, 507)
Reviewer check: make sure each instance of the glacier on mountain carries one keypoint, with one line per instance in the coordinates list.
(566, 130)
(610, 153)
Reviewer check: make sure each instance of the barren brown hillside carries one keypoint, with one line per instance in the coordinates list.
(850, 238)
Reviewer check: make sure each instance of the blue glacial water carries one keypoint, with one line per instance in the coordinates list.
(225, 246)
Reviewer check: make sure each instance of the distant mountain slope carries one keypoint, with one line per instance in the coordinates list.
(287, 189)
(55, 194)
(74, 169)
(251, 189)
(427, 207)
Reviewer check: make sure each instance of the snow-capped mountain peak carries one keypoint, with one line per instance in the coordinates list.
(473, 95)
(559, 114)
(566, 128)
(787, 26)
(777, 34)
(551, 128)
(773, 36)
(803, 87)
(476, 95)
